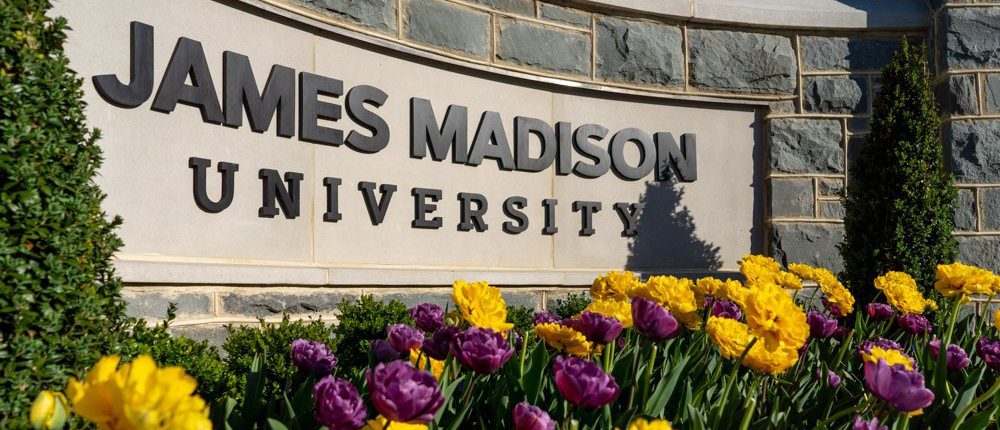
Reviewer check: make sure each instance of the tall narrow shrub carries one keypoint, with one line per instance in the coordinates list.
(60, 306)
(900, 199)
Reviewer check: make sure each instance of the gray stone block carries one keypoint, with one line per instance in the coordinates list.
(830, 187)
(639, 52)
(814, 244)
(846, 53)
(991, 209)
(528, 300)
(806, 146)
(735, 61)
(858, 125)
(969, 38)
(831, 209)
(974, 150)
(965, 210)
(376, 14)
(792, 197)
(415, 298)
(957, 95)
(564, 15)
(784, 106)
(449, 26)
(835, 94)
(215, 334)
(980, 251)
(992, 87)
(521, 7)
(276, 303)
(533, 45)
(154, 304)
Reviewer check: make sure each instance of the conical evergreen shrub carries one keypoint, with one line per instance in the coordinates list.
(60, 305)
(900, 196)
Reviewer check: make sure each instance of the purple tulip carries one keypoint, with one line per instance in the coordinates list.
(831, 307)
(860, 424)
(726, 309)
(439, 345)
(481, 350)
(382, 352)
(428, 317)
(518, 339)
(313, 357)
(402, 393)
(583, 383)
(841, 333)
(914, 324)
(989, 351)
(653, 321)
(901, 388)
(568, 322)
(338, 405)
(879, 311)
(820, 327)
(955, 356)
(405, 337)
(832, 379)
(544, 317)
(866, 346)
(598, 328)
(528, 417)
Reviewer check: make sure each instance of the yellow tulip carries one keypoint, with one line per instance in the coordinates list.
(49, 411)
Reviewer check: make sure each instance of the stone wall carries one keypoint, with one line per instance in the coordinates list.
(816, 87)
(967, 61)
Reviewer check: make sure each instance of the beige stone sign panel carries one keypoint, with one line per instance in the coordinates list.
(699, 226)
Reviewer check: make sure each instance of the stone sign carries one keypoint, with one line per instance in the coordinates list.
(234, 138)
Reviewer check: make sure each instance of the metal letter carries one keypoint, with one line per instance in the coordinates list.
(564, 135)
(550, 216)
(491, 142)
(311, 109)
(376, 208)
(473, 218)
(228, 170)
(581, 140)
(332, 200)
(356, 99)
(587, 209)
(421, 208)
(684, 159)
(524, 127)
(274, 190)
(629, 214)
(647, 160)
(188, 60)
(424, 132)
(511, 208)
(239, 88)
(140, 84)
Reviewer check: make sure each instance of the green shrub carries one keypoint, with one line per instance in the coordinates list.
(199, 359)
(572, 305)
(274, 343)
(900, 199)
(521, 316)
(361, 323)
(60, 304)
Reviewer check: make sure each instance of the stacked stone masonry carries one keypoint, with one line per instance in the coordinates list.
(966, 47)
(819, 85)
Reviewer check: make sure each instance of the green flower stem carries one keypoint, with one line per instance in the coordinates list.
(729, 385)
(748, 410)
(468, 390)
(843, 349)
(843, 412)
(647, 376)
(524, 351)
(903, 421)
(569, 416)
(635, 372)
(941, 371)
(975, 402)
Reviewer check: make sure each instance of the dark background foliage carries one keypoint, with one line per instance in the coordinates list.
(900, 199)
(59, 299)
(360, 323)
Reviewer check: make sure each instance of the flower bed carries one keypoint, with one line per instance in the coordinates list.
(704, 354)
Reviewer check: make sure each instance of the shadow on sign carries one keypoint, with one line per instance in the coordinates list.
(674, 243)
